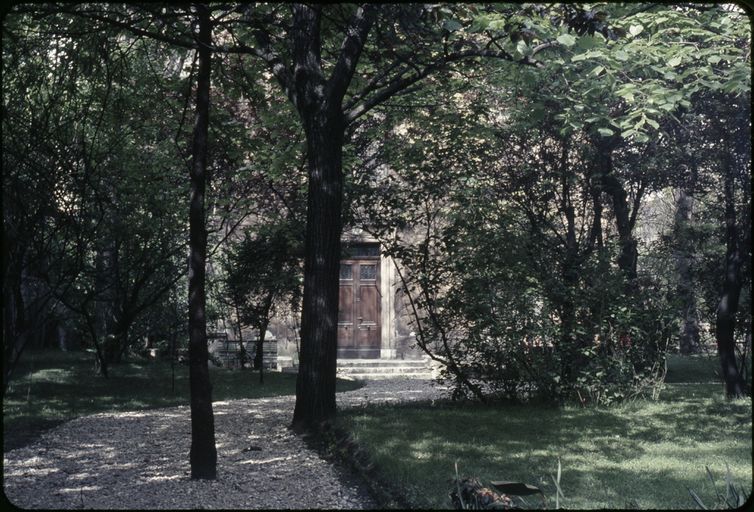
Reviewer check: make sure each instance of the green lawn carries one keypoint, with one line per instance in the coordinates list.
(641, 454)
(52, 386)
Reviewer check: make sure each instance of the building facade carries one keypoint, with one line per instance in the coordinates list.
(373, 315)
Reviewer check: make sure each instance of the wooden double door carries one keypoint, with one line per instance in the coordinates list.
(359, 309)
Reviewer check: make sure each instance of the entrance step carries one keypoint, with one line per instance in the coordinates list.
(379, 369)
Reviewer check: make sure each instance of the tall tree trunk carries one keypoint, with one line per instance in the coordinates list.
(242, 357)
(15, 332)
(319, 102)
(260, 347)
(628, 255)
(593, 279)
(104, 303)
(689, 335)
(315, 385)
(203, 455)
(725, 326)
(569, 344)
(264, 321)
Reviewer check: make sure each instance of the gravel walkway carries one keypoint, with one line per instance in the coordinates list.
(139, 460)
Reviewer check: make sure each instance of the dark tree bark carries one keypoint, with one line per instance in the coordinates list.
(242, 356)
(104, 303)
(203, 456)
(264, 321)
(259, 356)
(624, 221)
(315, 385)
(15, 332)
(319, 102)
(689, 336)
(569, 273)
(727, 308)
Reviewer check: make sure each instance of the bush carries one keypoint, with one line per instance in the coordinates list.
(506, 325)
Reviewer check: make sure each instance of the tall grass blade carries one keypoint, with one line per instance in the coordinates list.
(737, 499)
(697, 500)
(557, 486)
(458, 487)
(558, 473)
(714, 486)
(558, 491)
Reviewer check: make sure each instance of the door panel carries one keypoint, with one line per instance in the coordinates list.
(359, 309)
(345, 316)
(368, 320)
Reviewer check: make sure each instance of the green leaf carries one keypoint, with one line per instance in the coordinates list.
(451, 25)
(597, 70)
(674, 61)
(523, 48)
(621, 55)
(654, 124)
(480, 23)
(587, 55)
(605, 132)
(635, 30)
(626, 92)
(587, 42)
(566, 39)
(626, 134)
(714, 59)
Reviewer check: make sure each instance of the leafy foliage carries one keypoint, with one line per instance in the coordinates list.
(500, 212)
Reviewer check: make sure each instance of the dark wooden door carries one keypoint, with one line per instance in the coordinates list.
(359, 311)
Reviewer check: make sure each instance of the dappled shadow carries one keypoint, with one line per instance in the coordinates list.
(618, 452)
(140, 460)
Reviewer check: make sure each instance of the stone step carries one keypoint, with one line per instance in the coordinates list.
(387, 376)
(381, 369)
(399, 363)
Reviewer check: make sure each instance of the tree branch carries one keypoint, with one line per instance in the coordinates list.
(184, 43)
(358, 29)
(274, 62)
(397, 85)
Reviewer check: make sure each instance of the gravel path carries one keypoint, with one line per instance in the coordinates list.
(139, 460)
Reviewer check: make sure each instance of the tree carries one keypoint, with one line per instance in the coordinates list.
(262, 271)
(203, 452)
(419, 41)
(689, 337)
(175, 30)
(735, 169)
(645, 82)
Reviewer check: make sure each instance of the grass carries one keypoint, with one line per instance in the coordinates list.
(50, 387)
(641, 454)
(697, 368)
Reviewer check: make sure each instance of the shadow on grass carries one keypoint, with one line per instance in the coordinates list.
(644, 452)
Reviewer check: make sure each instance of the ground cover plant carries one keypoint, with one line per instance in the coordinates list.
(52, 386)
(640, 453)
